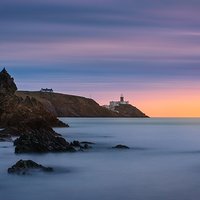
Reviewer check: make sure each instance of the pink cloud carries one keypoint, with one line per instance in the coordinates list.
(161, 46)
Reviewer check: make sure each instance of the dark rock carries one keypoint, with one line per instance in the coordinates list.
(15, 110)
(41, 139)
(86, 146)
(76, 143)
(5, 139)
(10, 131)
(120, 146)
(85, 142)
(29, 119)
(7, 85)
(23, 167)
(5, 135)
(80, 145)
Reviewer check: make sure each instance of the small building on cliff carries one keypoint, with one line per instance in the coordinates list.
(46, 90)
(113, 104)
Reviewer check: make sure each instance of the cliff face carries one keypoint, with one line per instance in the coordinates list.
(7, 84)
(23, 106)
(15, 110)
(127, 110)
(63, 105)
(29, 119)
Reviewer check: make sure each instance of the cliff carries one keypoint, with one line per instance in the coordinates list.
(127, 110)
(15, 110)
(29, 119)
(63, 105)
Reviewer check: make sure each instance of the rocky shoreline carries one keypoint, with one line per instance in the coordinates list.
(29, 121)
(24, 167)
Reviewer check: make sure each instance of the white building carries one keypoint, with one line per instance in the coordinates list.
(113, 104)
(46, 90)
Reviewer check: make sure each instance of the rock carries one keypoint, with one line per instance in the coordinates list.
(5, 136)
(23, 167)
(29, 119)
(7, 85)
(8, 132)
(80, 145)
(120, 146)
(15, 110)
(85, 142)
(5, 139)
(86, 146)
(75, 143)
(40, 138)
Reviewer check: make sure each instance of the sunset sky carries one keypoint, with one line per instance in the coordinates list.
(147, 50)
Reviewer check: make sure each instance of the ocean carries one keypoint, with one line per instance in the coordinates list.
(163, 162)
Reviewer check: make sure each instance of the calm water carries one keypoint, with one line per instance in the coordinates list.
(162, 164)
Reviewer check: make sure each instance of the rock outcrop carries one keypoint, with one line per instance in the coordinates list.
(38, 137)
(4, 137)
(24, 167)
(7, 84)
(80, 146)
(15, 110)
(121, 146)
(29, 119)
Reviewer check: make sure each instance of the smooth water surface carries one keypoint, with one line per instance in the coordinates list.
(163, 163)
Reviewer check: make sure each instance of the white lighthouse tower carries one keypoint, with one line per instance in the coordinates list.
(121, 101)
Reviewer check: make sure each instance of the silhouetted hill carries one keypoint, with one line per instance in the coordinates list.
(64, 105)
(15, 110)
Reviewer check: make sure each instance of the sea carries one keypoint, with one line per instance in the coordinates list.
(163, 162)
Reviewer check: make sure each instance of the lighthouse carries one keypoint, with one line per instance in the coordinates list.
(122, 101)
(113, 104)
(121, 98)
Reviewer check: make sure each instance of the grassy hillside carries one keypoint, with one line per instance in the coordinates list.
(64, 105)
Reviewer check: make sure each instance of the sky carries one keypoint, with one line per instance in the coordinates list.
(147, 50)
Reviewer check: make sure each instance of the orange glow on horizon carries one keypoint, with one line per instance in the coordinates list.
(170, 103)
